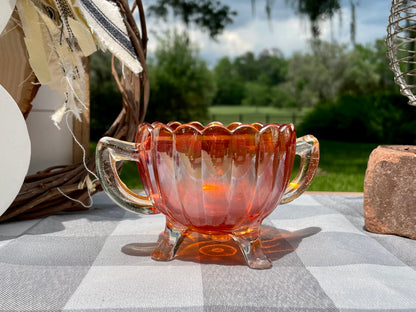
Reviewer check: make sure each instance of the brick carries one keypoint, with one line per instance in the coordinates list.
(390, 191)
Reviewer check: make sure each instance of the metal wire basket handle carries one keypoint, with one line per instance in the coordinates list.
(401, 46)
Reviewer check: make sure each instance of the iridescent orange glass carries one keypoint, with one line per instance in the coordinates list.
(213, 180)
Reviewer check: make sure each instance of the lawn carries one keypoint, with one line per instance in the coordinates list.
(341, 169)
(250, 114)
(342, 166)
(236, 109)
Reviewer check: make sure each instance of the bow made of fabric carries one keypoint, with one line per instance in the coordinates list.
(60, 33)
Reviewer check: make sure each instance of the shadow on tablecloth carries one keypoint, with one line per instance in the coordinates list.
(225, 251)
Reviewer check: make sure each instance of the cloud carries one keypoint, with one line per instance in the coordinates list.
(286, 31)
(289, 36)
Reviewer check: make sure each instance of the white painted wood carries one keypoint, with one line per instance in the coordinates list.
(50, 146)
(14, 149)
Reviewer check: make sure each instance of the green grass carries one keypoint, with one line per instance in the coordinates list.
(129, 173)
(341, 167)
(250, 114)
(235, 109)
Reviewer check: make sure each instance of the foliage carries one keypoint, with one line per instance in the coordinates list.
(350, 88)
(230, 86)
(213, 16)
(182, 87)
(281, 97)
(360, 75)
(316, 11)
(105, 97)
(318, 75)
(382, 117)
(250, 79)
(330, 70)
(210, 15)
(269, 67)
(323, 73)
(272, 67)
(256, 94)
(382, 66)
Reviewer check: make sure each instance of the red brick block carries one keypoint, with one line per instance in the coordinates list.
(390, 191)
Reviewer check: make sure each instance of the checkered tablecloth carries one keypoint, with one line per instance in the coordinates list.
(98, 260)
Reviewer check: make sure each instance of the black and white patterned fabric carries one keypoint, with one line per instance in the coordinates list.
(99, 260)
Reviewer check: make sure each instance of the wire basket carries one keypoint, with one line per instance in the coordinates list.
(401, 45)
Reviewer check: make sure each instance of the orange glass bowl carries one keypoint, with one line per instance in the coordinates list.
(213, 180)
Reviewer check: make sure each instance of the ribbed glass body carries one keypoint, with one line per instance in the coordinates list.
(215, 179)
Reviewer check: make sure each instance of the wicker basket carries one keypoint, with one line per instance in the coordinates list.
(39, 195)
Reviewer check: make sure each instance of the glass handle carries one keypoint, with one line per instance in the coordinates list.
(307, 147)
(109, 151)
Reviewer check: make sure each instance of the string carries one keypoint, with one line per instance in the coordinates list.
(73, 92)
(85, 166)
(78, 201)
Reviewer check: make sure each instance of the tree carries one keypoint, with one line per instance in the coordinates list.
(213, 16)
(316, 11)
(272, 67)
(330, 70)
(249, 79)
(383, 68)
(230, 86)
(256, 94)
(246, 66)
(281, 97)
(360, 76)
(314, 77)
(262, 75)
(182, 87)
(268, 67)
(209, 15)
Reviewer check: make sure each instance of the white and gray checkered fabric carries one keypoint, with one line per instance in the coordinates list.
(98, 260)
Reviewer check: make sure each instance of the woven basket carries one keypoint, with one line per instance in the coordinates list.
(39, 195)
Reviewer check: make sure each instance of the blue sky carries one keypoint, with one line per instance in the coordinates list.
(286, 31)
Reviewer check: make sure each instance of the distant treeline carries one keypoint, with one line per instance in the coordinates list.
(351, 88)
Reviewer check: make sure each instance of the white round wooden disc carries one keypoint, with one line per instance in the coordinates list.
(6, 11)
(14, 151)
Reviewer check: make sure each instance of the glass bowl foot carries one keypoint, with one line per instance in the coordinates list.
(169, 243)
(250, 246)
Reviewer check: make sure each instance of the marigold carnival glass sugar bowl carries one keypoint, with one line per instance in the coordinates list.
(214, 180)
